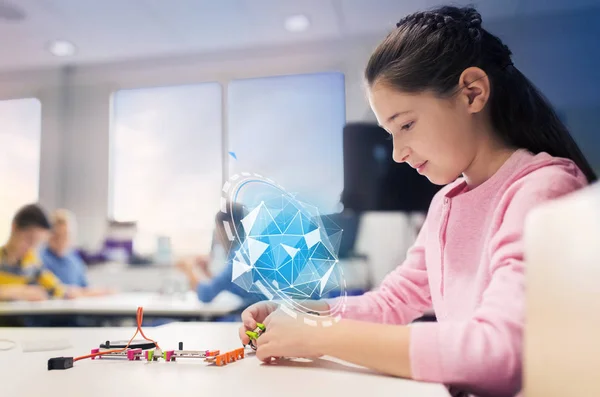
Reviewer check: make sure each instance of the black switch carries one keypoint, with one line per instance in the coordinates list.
(60, 363)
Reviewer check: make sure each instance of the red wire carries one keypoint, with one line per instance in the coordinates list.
(139, 317)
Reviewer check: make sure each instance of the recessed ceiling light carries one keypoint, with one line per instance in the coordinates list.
(297, 23)
(62, 48)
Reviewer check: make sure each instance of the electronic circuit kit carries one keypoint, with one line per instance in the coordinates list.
(149, 350)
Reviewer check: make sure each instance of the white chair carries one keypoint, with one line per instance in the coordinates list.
(384, 238)
(562, 335)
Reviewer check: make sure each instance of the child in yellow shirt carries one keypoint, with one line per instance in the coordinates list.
(21, 274)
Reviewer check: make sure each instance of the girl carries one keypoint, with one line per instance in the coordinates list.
(454, 104)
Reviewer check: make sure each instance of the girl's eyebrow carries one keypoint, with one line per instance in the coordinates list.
(396, 115)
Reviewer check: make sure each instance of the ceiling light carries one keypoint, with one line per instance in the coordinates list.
(61, 48)
(297, 23)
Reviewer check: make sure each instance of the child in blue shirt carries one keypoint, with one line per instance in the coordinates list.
(207, 285)
(69, 268)
(61, 259)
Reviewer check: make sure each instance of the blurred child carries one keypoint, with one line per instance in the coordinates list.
(19, 265)
(207, 285)
(60, 258)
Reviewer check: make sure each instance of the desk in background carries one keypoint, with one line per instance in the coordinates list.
(26, 374)
(162, 290)
(181, 306)
(168, 279)
(137, 278)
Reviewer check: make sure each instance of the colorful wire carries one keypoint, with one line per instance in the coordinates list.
(139, 318)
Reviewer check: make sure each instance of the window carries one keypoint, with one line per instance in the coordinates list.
(20, 133)
(166, 171)
(289, 129)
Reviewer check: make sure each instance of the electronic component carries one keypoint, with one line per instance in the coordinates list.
(135, 344)
(254, 335)
(149, 349)
(130, 354)
(226, 358)
(60, 363)
(171, 355)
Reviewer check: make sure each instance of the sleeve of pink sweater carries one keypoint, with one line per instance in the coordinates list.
(402, 296)
(484, 353)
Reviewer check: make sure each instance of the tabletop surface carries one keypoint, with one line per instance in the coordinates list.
(155, 304)
(26, 374)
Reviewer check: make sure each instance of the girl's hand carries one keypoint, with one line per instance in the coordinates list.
(256, 313)
(286, 336)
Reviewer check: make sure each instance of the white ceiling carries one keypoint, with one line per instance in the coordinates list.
(113, 30)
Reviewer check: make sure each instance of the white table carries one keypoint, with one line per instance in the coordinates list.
(155, 278)
(125, 278)
(26, 374)
(183, 305)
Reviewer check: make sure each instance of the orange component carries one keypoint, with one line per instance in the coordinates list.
(221, 359)
(240, 353)
(228, 357)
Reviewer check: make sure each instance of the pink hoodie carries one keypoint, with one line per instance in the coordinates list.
(467, 263)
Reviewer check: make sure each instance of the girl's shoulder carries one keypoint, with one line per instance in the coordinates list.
(545, 175)
(540, 179)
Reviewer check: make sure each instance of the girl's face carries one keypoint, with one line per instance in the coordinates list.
(435, 136)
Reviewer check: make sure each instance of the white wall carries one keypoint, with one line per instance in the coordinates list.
(76, 102)
(86, 155)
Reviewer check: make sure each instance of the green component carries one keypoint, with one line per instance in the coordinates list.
(150, 355)
(261, 326)
(252, 335)
(165, 355)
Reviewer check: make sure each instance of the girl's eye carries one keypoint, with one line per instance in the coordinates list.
(407, 126)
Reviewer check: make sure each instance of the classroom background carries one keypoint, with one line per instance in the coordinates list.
(125, 118)
(132, 114)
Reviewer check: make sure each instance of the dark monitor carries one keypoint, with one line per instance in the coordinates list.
(373, 181)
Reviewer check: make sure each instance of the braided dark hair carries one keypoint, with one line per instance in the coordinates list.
(429, 50)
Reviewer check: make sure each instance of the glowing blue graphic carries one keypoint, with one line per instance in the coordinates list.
(232, 154)
(289, 248)
(282, 248)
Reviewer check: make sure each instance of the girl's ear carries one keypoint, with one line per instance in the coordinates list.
(475, 89)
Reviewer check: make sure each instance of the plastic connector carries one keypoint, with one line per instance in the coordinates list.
(60, 363)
